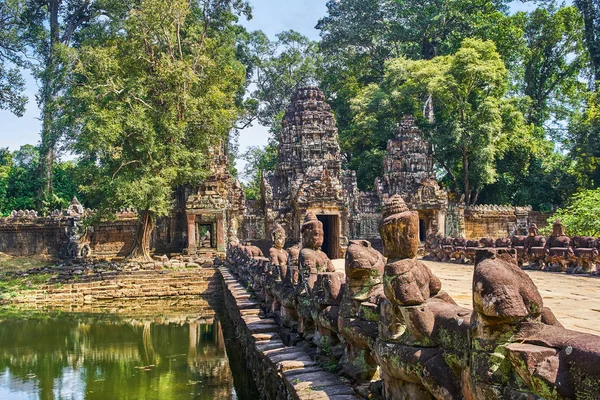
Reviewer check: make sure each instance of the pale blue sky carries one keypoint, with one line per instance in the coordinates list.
(270, 16)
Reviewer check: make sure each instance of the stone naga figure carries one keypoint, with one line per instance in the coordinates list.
(558, 249)
(416, 318)
(359, 310)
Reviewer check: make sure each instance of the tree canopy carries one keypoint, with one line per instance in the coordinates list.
(151, 103)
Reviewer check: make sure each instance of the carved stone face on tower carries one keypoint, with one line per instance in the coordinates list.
(312, 232)
(399, 229)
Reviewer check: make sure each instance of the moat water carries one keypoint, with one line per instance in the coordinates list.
(103, 356)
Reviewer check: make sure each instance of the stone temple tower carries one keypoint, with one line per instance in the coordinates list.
(309, 175)
(408, 171)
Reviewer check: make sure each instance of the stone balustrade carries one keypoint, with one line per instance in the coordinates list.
(557, 253)
(393, 332)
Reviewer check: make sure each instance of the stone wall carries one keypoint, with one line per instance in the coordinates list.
(253, 225)
(494, 221)
(51, 236)
(31, 236)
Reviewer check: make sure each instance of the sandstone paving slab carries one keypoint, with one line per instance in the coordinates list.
(256, 327)
(290, 374)
(246, 304)
(270, 345)
(574, 299)
(266, 336)
(296, 354)
(288, 365)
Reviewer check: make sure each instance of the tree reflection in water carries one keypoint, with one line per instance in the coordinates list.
(78, 356)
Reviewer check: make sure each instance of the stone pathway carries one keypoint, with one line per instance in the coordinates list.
(574, 299)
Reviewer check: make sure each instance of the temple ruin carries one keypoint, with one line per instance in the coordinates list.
(309, 177)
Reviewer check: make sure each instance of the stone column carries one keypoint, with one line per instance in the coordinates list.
(441, 221)
(220, 232)
(191, 233)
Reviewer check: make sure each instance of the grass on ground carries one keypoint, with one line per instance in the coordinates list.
(11, 284)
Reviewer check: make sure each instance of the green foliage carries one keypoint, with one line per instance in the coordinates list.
(583, 140)
(473, 119)
(590, 9)
(582, 215)
(12, 84)
(19, 181)
(553, 61)
(277, 69)
(258, 160)
(152, 103)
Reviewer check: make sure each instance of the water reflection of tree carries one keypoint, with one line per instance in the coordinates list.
(108, 355)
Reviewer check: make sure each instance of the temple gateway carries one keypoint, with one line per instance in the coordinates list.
(309, 177)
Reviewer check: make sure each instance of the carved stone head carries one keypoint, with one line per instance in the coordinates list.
(558, 229)
(278, 236)
(399, 229)
(312, 232)
(533, 230)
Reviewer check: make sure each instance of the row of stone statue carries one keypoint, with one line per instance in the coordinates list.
(393, 321)
(558, 253)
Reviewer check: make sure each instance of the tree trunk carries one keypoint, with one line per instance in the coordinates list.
(141, 249)
(466, 179)
(48, 96)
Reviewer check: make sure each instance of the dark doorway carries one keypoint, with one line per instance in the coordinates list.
(205, 236)
(331, 238)
(422, 230)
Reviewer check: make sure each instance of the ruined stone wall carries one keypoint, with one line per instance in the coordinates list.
(49, 236)
(489, 221)
(253, 225)
(498, 221)
(31, 236)
(364, 224)
(539, 218)
(113, 239)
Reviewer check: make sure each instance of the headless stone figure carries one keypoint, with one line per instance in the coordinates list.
(359, 311)
(558, 249)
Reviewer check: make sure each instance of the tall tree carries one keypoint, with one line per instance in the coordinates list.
(590, 9)
(151, 102)
(48, 30)
(276, 69)
(12, 49)
(553, 61)
(473, 119)
(359, 37)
